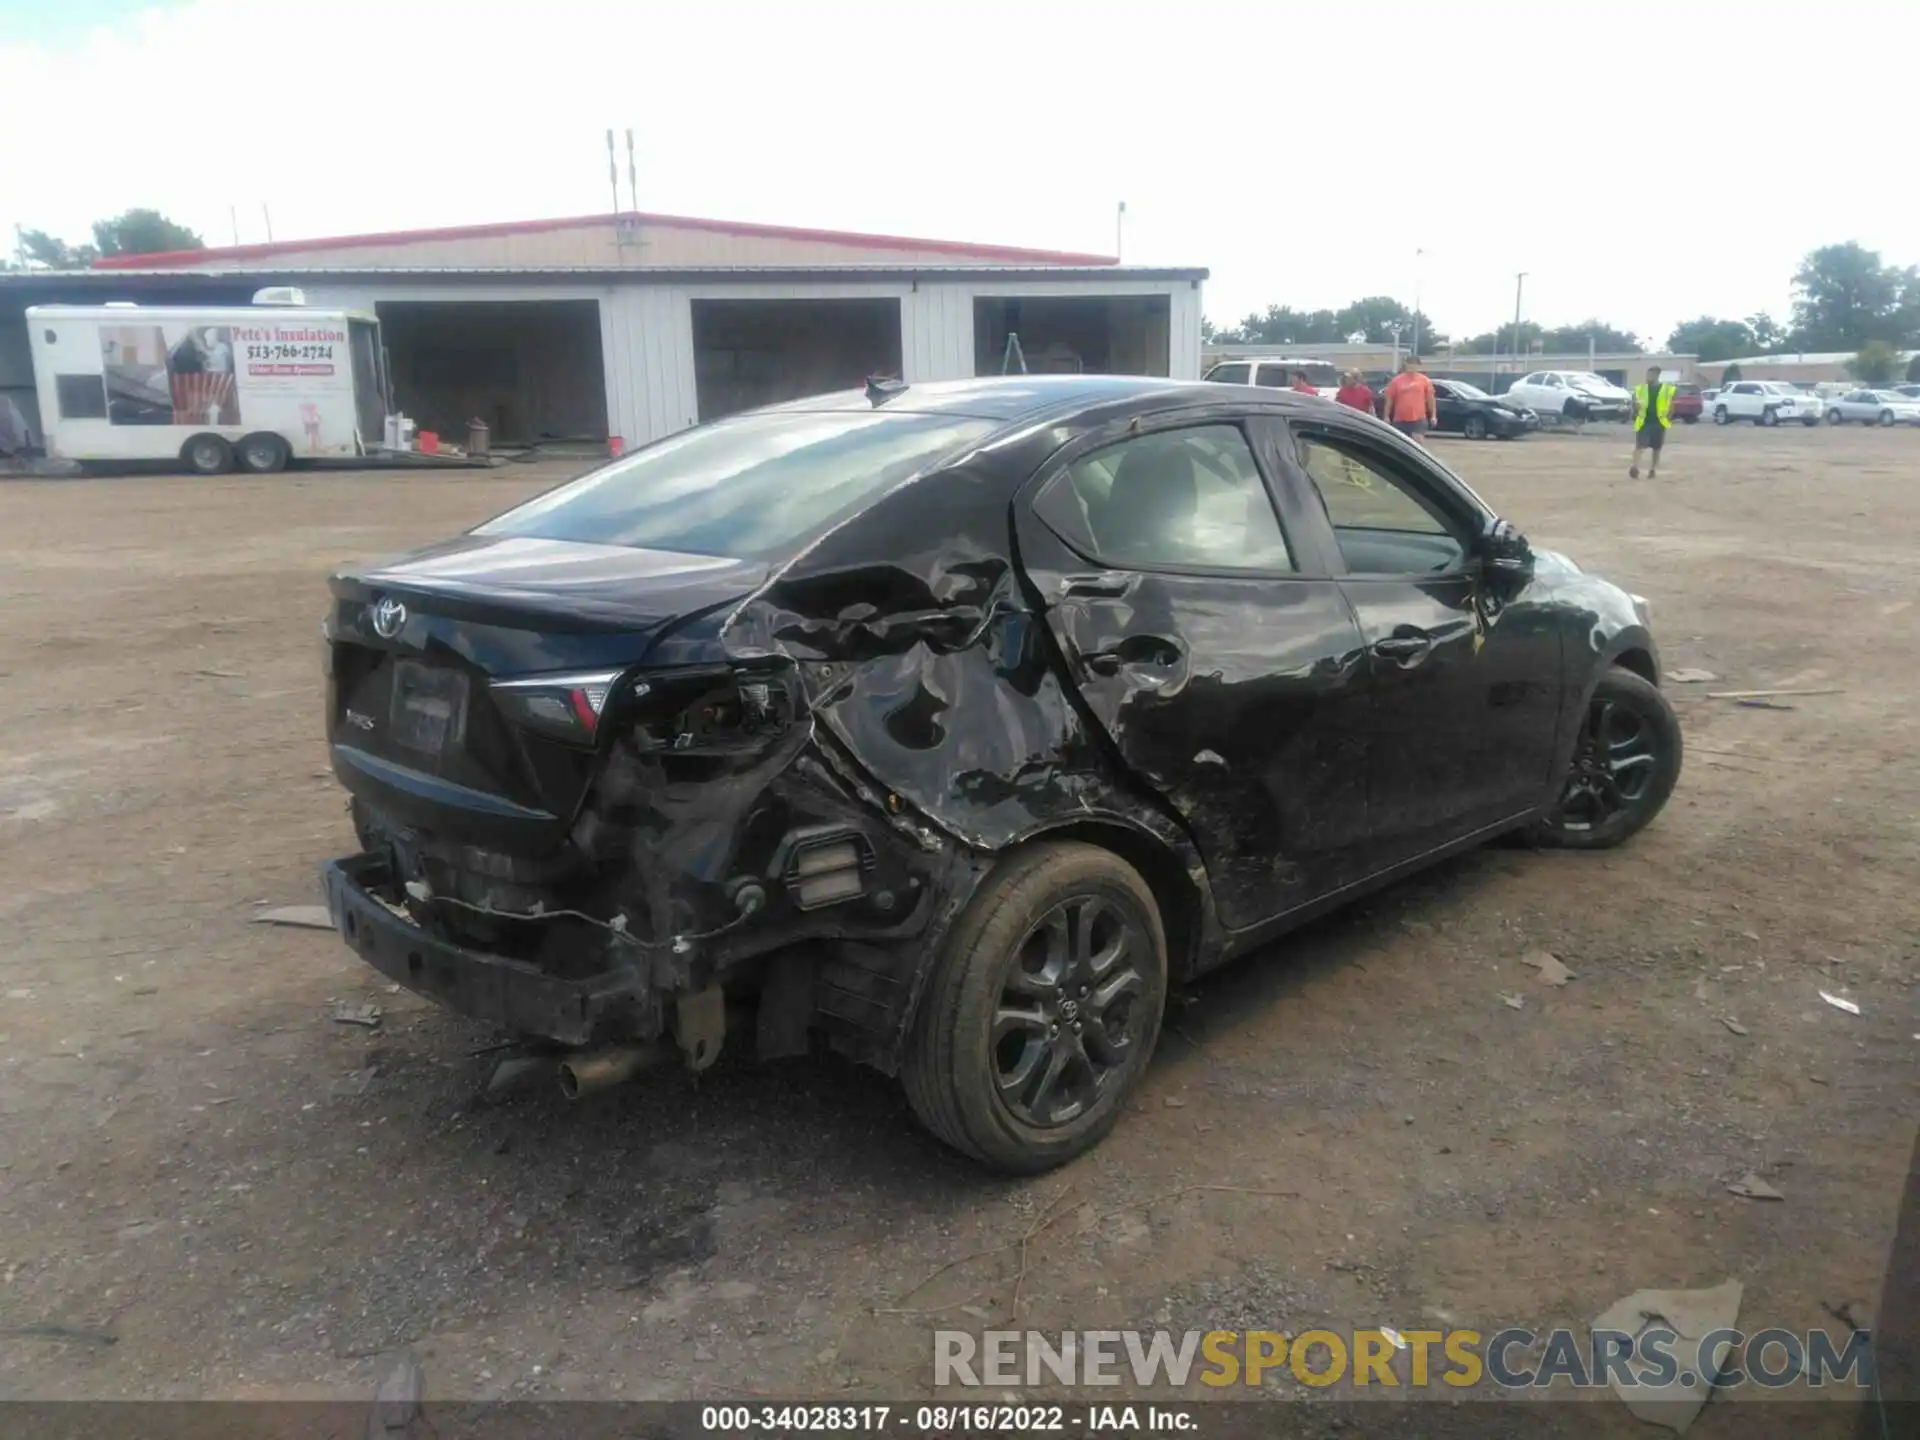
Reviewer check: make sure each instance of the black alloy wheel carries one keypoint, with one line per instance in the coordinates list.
(1042, 1010)
(1071, 1018)
(1625, 764)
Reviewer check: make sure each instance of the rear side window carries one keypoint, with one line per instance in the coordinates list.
(1184, 499)
(1279, 377)
(752, 488)
(1228, 374)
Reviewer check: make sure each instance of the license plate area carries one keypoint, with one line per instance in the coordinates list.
(428, 713)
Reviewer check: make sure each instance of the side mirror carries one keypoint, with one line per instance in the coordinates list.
(1505, 554)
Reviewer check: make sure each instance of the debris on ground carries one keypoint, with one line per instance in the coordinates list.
(1840, 1004)
(1690, 1314)
(1685, 676)
(310, 917)
(59, 1332)
(396, 1402)
(1552, 972)
(1751, 1187)
(346, 1013)
(1732, 1024)
(1768, 694)
(1513, 1002)
(1761, 705)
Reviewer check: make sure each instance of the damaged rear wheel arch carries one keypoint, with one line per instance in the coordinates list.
(1181, 910)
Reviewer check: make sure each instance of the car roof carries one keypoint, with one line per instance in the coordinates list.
(1036, 397)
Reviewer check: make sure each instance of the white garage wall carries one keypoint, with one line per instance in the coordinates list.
(646, 331)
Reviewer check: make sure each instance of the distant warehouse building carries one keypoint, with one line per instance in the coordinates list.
(638, 325)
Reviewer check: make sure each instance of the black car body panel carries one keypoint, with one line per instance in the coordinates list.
(810, 759)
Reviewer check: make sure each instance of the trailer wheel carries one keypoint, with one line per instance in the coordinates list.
(207, 455)
(262, 453)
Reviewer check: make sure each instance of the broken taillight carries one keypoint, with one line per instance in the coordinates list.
(567, 707)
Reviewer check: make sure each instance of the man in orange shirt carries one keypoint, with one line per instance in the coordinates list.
(1411, 404)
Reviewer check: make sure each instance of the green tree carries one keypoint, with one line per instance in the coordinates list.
(1730, 374)
(1501, 341)
(1573, 339)
(40, 248)
(142, 232)
(1374, 319)
(1713, 339)
(1844, 296)
(1768, 334)
(1876, 364)
(1913, 369)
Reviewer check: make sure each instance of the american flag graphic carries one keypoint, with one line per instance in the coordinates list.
(199, 399)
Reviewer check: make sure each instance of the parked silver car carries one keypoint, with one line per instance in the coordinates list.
(1874, 407)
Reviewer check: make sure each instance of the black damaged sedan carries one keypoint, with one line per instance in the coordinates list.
(952, 723)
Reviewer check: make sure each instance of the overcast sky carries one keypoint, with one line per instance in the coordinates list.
(1643, 162)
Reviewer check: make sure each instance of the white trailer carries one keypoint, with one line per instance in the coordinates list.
(213, 388)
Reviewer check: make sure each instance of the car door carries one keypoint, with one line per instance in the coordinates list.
(1465, 698)
(1449, 412)
(1217, 659)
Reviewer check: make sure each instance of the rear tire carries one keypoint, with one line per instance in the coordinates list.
(1690, 419)
(1624, 766)
(1011, 956)
(263, 453)
(1834, 417)
(207, 455)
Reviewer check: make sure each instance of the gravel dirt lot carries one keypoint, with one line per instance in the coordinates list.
(208, 1187)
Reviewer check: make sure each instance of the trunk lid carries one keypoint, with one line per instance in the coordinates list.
(429, 713)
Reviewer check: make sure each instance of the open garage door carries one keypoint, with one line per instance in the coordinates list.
(531, 369)
(1077, 335)
(760, 352)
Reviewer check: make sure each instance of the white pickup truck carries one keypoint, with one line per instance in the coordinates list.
(1765, 402)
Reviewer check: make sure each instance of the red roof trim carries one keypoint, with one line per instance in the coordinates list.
(1009, 254)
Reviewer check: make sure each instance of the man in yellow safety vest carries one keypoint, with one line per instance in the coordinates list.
(1652, 417)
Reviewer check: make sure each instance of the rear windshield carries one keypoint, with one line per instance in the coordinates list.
(753, 488)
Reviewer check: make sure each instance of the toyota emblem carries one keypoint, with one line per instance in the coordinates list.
(389, 615)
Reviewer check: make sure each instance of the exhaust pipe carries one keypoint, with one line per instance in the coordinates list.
(589, 1072)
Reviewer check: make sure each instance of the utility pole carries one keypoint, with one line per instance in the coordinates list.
(1415, 350)
(1519, 283)
(1119, 229)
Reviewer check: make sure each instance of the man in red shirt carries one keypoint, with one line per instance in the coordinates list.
(1354, 392)
(1411, 405)
(1303, 385)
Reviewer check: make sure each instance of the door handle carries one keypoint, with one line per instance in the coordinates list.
(1403, 647)
(1096, 587)
(1150, 650)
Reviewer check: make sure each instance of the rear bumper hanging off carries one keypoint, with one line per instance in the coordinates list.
(491, 988)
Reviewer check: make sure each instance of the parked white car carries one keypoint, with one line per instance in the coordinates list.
(1874, 407)
(1765, 402)
(1276, 373)
(1571, 395)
